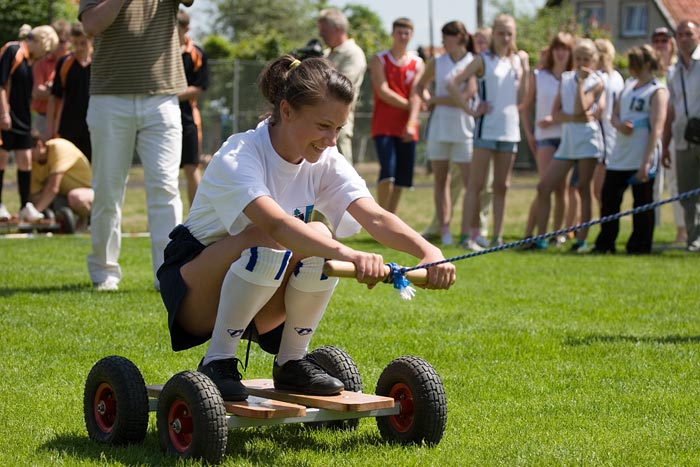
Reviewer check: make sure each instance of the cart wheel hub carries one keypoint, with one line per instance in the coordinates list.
(176, 426)
(101, 408)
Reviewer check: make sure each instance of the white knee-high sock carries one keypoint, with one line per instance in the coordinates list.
(305, 299)
(249, 284)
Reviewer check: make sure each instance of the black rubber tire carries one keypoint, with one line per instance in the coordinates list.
(191, 418)
(416, 385)
(115, 402)
(66, 219)
(338, 364)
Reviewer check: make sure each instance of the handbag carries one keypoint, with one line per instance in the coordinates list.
(692, 128)
(692, 131)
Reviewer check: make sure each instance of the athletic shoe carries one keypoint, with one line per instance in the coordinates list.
(29, 213)
(602, 251)
(471, 244)
(579, 247)
(694, 247)
(429, 235)
(305, 376)
(496, 242)
(224, 373)
(110, 284)
(482, 242)
(4, 213)
(446, 239)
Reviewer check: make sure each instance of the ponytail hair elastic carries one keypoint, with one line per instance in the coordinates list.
(294, 64)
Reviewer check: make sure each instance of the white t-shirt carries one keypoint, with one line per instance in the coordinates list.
(634, 107)
(681, 79)
(579, 140)
(546, 88)
(499, 87)
(247, 167)
(449, 124)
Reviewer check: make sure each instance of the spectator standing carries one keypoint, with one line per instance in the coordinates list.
(638, 117)
(665, 44)
(544, 136)
(197, 75)
(349, 59)
(581, 141)
(44, 71)
(61, 169)
(394, 118)
(613, 82)
(70, 94)
(683, 124)
(133, 109)
(481, 40)
(450, 129)
(502, 73)
(16, 82)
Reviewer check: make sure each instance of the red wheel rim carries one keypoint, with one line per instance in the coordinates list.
(401, 393)
(105, 407)
(180, 425)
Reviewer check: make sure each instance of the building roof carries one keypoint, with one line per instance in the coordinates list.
(679, 10)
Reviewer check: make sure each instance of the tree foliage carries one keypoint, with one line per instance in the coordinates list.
(14, 14)
(367, 29)
(265, 29)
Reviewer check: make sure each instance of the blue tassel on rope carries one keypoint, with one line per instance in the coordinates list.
(401, 283)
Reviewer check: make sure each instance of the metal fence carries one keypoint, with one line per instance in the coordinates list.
(232, 104)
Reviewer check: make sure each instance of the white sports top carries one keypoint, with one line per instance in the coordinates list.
(578, 140)
(613, 87)
(499, 86)
(634, 107)
(247, 167)
(546, 88)
(449, 124)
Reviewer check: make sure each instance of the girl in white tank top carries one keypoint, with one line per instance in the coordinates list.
(638, 117)
(545, 139)
(579, 91)
(450, 128)
(500, 71)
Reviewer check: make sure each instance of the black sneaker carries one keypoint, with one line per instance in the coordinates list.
(305, 376)
(224, 373)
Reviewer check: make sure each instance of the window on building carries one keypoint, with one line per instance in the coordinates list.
(633, 19)
(590, 15)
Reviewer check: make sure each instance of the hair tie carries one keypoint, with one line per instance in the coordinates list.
(294, 64)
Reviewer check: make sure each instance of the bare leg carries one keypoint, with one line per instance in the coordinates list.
(502, 169)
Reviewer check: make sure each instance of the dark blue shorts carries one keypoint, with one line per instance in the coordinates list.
(184, 247)
(397, 159)
(548, 143)
(190, 145)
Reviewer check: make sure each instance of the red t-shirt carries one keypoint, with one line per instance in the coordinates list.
(386, 119)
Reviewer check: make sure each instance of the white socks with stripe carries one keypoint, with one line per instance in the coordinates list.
(248, 285)
(306, 297)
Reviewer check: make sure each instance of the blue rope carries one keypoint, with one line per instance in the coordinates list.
(545, 236)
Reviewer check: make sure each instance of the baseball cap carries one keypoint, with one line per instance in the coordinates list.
(662, 30)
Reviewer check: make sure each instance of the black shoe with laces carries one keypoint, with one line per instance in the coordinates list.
(305, 376)
(224, 373)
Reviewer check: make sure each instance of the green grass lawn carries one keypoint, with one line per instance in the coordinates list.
(548, 358)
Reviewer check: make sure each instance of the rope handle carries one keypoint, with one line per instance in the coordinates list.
(335, 268)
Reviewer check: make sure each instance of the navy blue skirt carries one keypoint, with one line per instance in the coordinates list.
(182, 248)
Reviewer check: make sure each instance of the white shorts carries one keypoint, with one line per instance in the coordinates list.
(460, 153)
